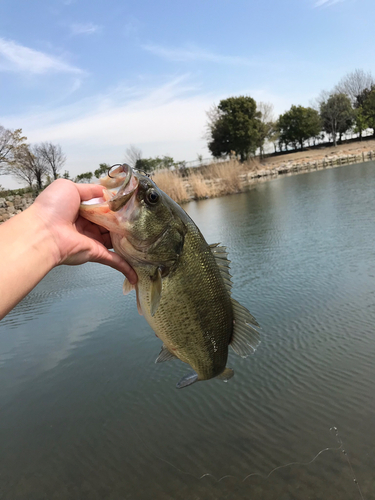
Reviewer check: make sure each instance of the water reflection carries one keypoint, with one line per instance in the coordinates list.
(85, 412)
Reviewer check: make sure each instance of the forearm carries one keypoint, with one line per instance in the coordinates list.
(27, 254)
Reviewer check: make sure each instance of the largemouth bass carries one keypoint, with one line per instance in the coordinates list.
(184, 285)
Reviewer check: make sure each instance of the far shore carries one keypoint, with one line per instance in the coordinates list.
(319, 153)
(219, 179)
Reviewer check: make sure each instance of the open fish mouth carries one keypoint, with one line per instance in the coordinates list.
(120, 185)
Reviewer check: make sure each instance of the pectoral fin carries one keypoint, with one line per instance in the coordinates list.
(127, 287)
(156, 287)
(189, 379)
(245, 338)
(165, 355)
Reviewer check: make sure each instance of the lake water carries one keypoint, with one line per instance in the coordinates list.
(85, 413)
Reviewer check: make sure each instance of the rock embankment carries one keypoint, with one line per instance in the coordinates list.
(12, 205)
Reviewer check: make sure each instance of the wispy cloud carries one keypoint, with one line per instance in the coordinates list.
(193, 53)
(85, 29)
(18, 58)
(326, 3)
(167, 119)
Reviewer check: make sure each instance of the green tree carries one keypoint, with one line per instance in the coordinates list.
(299, 124)
(361, 122)
(103, 169)
(337, 115)
(150, 164)
(234, 125)
(369, 107)
(85, 177)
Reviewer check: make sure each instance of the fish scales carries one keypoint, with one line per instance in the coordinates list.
(195, 317)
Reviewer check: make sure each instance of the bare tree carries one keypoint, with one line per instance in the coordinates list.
(29, 166)
(133, 155)
(268, 123)
(10, 140)
(213, 115)
(354, 83)
(52, 156)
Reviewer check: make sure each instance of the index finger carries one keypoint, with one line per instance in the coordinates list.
(89, 191)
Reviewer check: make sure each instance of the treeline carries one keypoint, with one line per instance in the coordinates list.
(38, 165)
(33, 164)
(238, 126)
(134, 158)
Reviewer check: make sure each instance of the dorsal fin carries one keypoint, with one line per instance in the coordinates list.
(245, 338)
(221, 256)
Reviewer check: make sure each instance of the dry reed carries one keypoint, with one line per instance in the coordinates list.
(213, 180)
(200, 187)
(172, 184)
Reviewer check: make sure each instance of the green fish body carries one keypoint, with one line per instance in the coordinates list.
(184, 285)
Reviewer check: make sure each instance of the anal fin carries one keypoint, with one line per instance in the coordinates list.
(189, 379)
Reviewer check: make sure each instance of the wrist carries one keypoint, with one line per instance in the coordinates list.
(40, 238)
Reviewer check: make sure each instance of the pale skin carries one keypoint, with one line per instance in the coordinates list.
(50, 233)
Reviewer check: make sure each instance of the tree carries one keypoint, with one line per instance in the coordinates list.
(150, 164)
(10, 141)
(52, 156)
(337, 115)
(266, 131)
(103, 169)
(369, 107)
(29, 166)
(353, 84)
(361, 121)
(85, 177)
(274, 136)
(299, 124)
(132, 155)
(234, 125)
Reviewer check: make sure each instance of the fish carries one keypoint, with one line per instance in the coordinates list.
(184, 284)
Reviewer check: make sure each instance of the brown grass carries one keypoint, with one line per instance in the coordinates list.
(217, 179)
(201, 188)
(225, 177)
(172, 184)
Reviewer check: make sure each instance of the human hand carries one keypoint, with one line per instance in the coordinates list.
(76, 240)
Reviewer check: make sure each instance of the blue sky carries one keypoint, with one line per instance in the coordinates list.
(97, 76)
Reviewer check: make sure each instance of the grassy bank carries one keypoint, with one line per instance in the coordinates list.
(224, 178)
(217, 179)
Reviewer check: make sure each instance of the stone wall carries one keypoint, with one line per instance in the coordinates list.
(12, 205)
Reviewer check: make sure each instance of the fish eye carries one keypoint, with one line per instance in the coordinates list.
(152, 197)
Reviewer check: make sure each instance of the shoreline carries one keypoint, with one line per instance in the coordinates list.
(232, 177)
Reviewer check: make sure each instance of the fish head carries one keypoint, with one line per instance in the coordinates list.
(144, 223)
